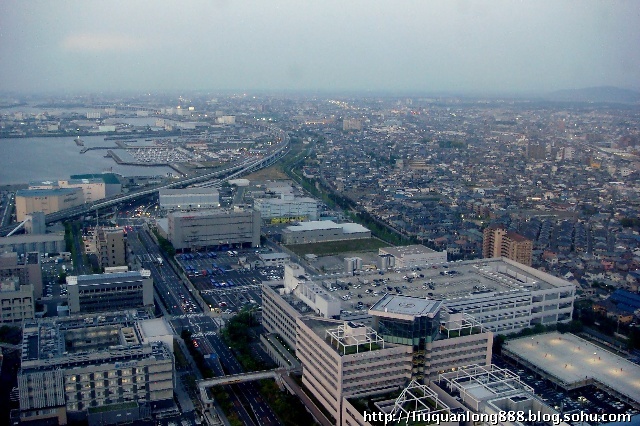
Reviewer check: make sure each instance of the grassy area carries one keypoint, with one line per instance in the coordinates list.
(270, 173)
(337, 247)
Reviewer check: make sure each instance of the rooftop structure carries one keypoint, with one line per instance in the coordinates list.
(489, 389)
(410, 256)
(572, 362)
(404, 307)
(505, 296)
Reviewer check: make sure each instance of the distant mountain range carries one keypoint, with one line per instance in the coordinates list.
(607, 94)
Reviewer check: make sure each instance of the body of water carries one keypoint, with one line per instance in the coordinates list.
(30, 159)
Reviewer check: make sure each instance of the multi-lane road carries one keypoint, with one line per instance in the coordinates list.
(184, 313)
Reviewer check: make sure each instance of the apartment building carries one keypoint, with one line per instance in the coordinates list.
(16, 301)
(110, 246)
(499, 242)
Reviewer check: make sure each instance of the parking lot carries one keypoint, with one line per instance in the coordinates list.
(228, 280)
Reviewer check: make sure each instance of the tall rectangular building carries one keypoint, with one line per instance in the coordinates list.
(27, 268)
(111, 246)
(16, 301)
(110, 292)
(213, 228)
(499, 242)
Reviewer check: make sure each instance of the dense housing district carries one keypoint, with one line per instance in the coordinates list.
(353, 259)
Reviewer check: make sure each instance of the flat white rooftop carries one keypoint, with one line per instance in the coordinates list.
(572, 360)
(406, 306)
(315, 225)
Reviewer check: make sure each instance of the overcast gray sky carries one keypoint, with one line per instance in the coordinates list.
(480, 46)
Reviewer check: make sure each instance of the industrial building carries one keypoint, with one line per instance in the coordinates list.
(93, 189)
(46, 200)
(189, 198)
(112, 185)
(323, 231)
(26, 267)
(410, 256)
(287, 208)
(16, 301)
(109, 292)
(214, 228)
(274, 259)
(98, 369)
(497, 241)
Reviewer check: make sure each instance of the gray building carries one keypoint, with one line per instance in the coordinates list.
(110, 292)
(25, 243)
(213, 228)
(92, 368)
(189, 198)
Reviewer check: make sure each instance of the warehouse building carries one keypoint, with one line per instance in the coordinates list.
(214, 228)
(323, 231)
(46, 200)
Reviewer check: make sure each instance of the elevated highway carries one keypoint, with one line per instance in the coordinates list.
(214, 179)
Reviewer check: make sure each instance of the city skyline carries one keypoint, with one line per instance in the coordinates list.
(428, 47)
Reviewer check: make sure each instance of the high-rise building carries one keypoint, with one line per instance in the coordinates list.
(499, 242)
(27, 268)
(111, 246)
(16, 301)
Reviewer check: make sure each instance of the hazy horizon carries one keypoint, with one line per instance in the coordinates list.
(450, 47)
